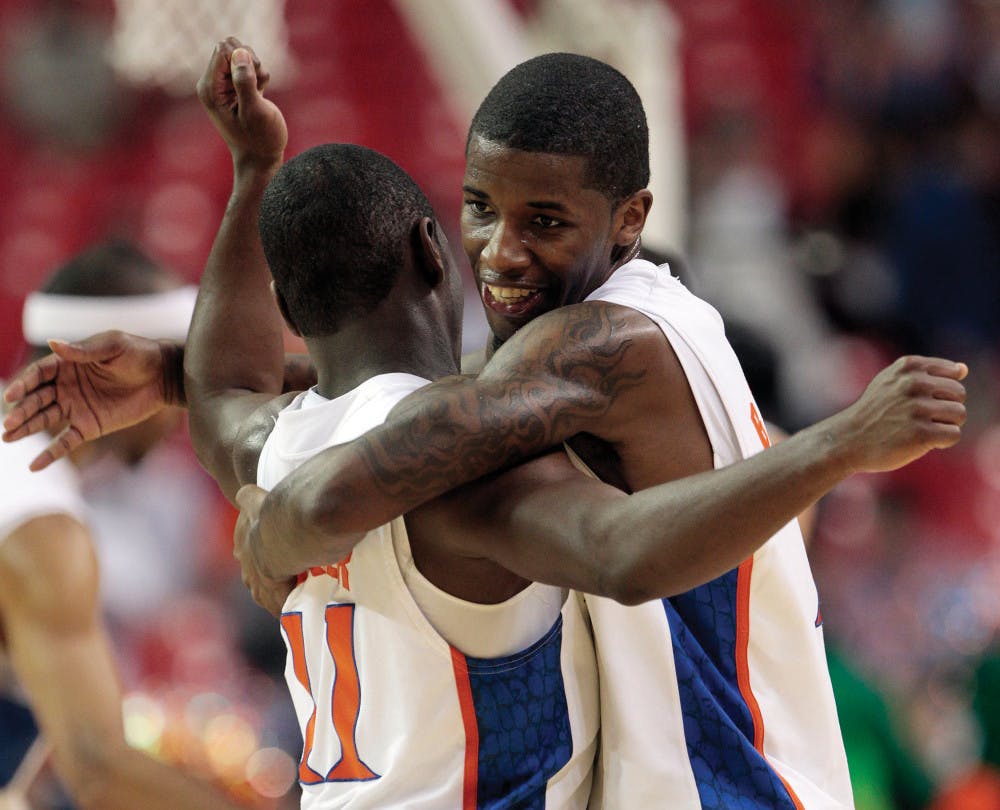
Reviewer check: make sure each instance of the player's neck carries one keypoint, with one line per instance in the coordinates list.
(345, 360)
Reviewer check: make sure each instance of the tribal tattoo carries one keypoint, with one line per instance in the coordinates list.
(558, 377)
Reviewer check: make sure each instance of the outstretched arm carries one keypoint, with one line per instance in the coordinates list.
(547, 522)
(107, 382)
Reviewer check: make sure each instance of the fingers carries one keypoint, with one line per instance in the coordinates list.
(215, 74)
(62, 445)
(35, 375)
(37, 412)
(244, 79)
(936, 366)
(95, 349)
(249, 499)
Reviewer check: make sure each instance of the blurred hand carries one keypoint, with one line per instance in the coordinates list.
(911, 407)
(269, 593)
(231, 91)
(88, 389)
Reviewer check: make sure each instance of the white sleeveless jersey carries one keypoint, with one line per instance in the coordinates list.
(719, 697)
(392, 715)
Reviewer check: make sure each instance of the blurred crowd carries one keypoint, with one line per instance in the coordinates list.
(844, 208)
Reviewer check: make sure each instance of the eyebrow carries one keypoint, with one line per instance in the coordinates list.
(550, 205)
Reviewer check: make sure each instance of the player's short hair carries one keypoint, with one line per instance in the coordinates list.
(568, 104)
(335, 223)
(112, 268)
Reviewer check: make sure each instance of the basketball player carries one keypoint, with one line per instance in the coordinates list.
(50, 609)
(715, 697)
(924, 411)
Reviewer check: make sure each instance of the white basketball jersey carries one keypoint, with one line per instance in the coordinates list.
(719, 697)
(392, 714)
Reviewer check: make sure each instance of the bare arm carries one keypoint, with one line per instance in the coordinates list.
(61, 654)
(544, 385)
(561, 375)
(234, 361)
(547, 522)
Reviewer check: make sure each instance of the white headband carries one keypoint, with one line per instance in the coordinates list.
(75, 317)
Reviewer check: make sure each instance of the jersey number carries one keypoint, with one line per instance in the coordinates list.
(346, 698)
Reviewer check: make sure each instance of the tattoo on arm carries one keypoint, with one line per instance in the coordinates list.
(536, 392)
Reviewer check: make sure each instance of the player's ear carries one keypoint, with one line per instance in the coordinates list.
(630, 216)
(283, 309)
(428, 251)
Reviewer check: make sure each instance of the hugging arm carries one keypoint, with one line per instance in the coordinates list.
(560, 375)
(547, 522)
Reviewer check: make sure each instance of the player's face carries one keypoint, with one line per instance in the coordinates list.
(536, 238)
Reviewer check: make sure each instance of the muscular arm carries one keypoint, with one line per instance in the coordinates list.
(547, 522)
(234, 361)
(560, 375)
(61, 654)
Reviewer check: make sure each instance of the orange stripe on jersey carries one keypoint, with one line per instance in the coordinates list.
(291, 623)
(346, 692)
(743, 663)
(470, 787)
(758, 424)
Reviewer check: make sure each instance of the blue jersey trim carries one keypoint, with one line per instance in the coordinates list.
(525, 736)
(718, 728)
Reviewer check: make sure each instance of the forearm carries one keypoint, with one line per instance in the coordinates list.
(235, 344)
(670, 538)
(433, 445)
(299, 373)
(236, 340)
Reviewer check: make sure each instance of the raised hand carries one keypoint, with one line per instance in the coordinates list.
(915, 405)
(231, 90)
(88, 389)
(269, 593)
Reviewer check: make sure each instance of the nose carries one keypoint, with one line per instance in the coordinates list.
(505, 251)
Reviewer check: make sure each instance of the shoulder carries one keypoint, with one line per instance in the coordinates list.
(26, 494)
(606, 347)
(590, 336)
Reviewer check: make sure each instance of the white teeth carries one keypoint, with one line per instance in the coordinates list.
(508, 294)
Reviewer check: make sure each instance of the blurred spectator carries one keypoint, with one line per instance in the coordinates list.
(151, 514)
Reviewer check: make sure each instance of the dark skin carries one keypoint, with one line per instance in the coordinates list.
(530, 222)
(233, 406)
(598, 375)
(592, 370)
(550, 523)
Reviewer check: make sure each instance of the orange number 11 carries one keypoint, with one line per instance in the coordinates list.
(346, 694)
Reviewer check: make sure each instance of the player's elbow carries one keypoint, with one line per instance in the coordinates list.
(621, 573)
(325, 524)
(630, 575)
(628, 586)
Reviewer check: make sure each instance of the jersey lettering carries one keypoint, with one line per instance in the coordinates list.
(339, 572)
(346, 699)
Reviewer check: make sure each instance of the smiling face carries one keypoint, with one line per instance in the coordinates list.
(536, 237)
